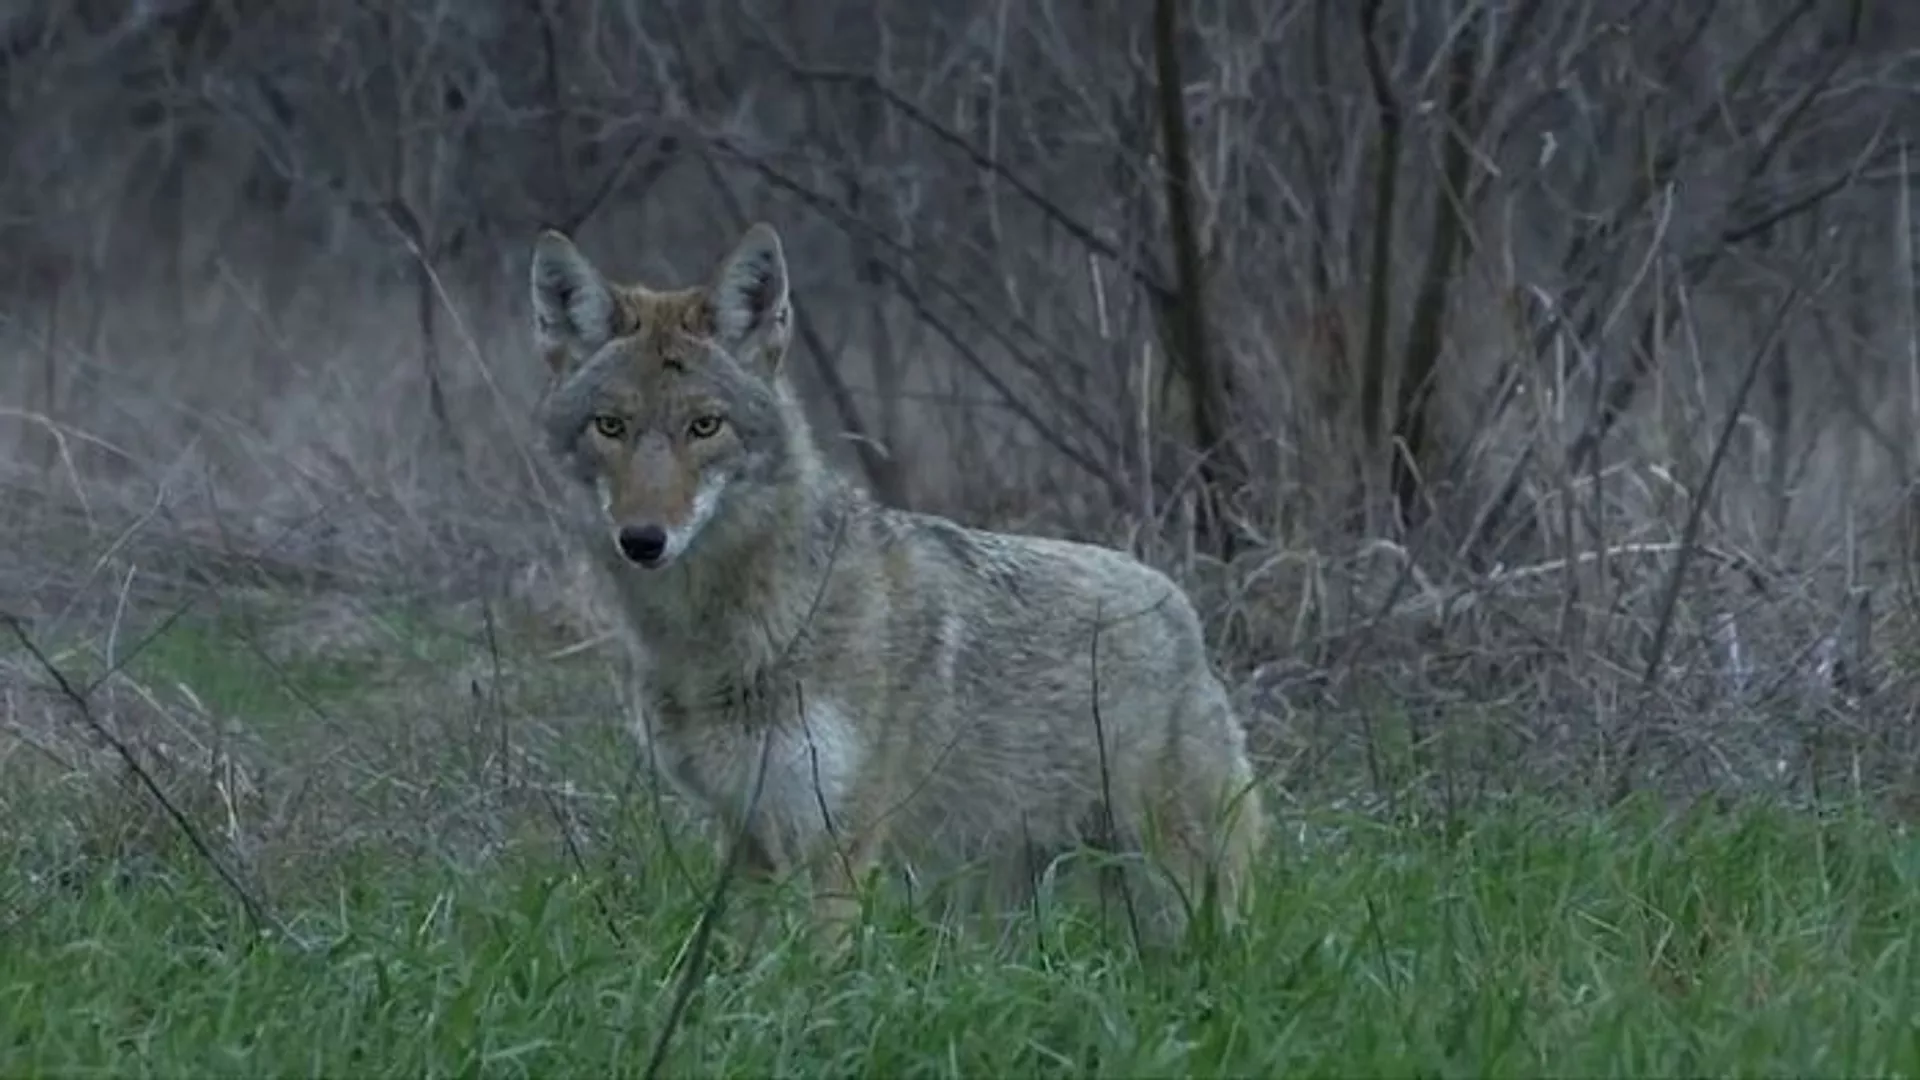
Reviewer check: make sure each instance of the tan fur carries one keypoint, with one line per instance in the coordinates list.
(915, 689)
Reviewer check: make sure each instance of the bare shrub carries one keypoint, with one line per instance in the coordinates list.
(1530, 389)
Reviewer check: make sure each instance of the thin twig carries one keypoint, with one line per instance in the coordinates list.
(1690, 537)
(263, 920)
(1108, 823)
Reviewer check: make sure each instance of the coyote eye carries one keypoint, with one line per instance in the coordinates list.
(610, 427)
(704, 427)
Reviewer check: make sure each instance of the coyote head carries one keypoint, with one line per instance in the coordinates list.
(667, 406)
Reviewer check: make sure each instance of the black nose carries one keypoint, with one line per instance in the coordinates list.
(643, 544)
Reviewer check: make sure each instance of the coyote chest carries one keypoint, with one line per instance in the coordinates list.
(713, 751)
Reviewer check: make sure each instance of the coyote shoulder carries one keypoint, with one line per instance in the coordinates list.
(835, 682)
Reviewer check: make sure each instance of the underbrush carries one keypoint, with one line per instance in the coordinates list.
(421, 845)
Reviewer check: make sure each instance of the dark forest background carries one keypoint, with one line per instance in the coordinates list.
(1527, 389)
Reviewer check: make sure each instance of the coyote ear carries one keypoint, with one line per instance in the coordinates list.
(574, 313)
(752, 316)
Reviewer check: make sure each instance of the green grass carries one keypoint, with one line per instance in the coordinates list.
(443, 921)
(1520, 945)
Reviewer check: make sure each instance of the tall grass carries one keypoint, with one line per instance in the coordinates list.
(456, 867)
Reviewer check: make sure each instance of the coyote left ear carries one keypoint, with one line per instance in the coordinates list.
(752, 316)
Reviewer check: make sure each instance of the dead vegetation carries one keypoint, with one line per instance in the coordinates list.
(1528, 390)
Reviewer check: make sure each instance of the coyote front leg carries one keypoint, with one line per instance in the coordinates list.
(838, 872)
(757, 867)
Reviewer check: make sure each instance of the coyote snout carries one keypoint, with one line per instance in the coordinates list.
(647, 534)
(643, 544)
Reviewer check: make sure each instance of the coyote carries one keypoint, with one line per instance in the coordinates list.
(834, 682)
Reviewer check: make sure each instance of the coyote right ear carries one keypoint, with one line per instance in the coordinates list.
(748, 300)
(574, 313)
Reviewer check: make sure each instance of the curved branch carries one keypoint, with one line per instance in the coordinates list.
(1072, 226)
